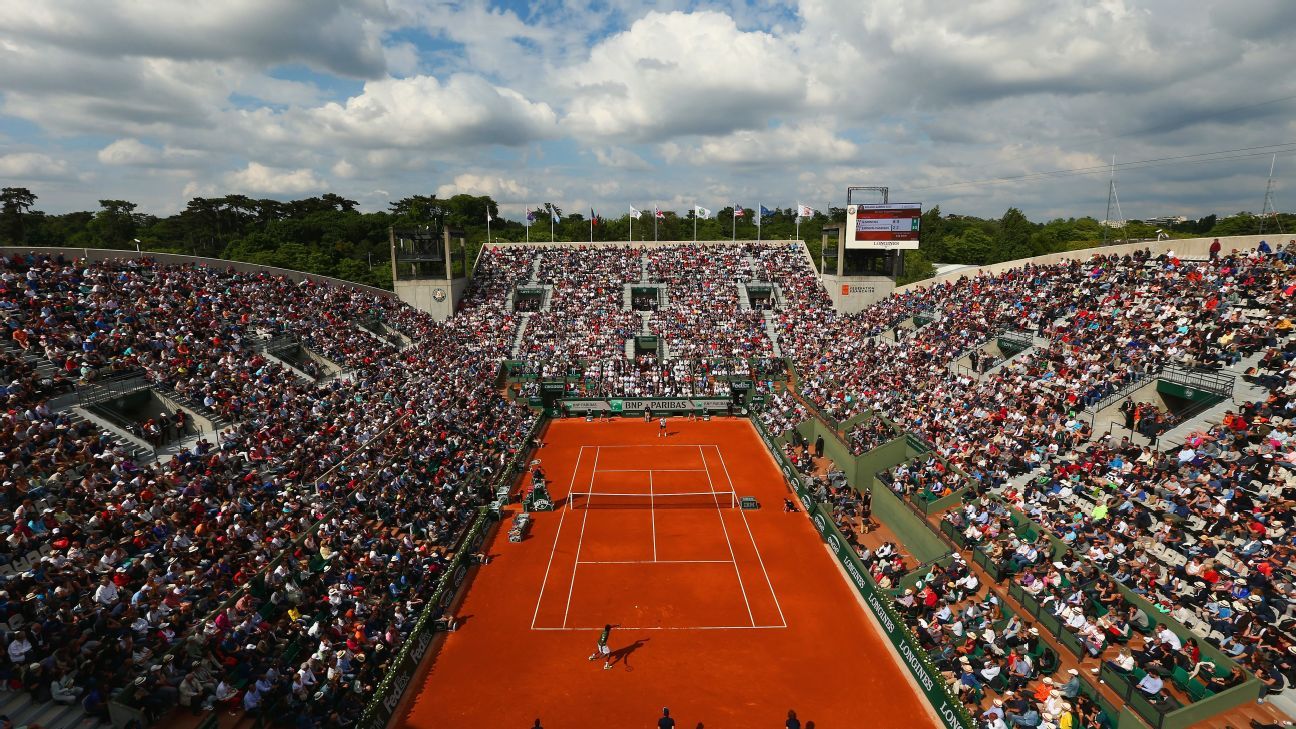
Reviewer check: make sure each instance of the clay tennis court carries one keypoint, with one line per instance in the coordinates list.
(728, 616)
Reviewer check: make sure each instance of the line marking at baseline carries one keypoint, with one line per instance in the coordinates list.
(720, 513)
(678, 627)
(576, 562)
(658, 561)
(752, 537)
(649, 470)
(557, 534)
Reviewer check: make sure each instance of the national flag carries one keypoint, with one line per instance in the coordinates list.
(635, 213)
(488, 216)
(553, 213)
(657, 212)
(739, 212)
(764, 211)
(594, 218)
(530, 215)
(805, 211)
(701, 212)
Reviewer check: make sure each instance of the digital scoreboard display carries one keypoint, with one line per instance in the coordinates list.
(888, 226)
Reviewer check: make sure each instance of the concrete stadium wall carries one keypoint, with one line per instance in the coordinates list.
(109, 254)
(1197, 248)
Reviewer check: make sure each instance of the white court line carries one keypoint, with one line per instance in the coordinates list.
(725, 528)
(576, 563)
(652, 445)
(650, 470)
(678, 627)
(659, 561)
(652, 512)
(752, 537)
(557, 534)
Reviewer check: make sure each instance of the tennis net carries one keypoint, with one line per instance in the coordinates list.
(686, 500)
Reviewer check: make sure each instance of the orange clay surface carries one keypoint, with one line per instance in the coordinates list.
(728, 617)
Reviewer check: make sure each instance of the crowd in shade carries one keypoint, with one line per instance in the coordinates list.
(278, 563)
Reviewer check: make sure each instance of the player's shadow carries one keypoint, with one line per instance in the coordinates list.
(622, 655)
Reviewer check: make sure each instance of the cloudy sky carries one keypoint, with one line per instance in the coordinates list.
(609, 103)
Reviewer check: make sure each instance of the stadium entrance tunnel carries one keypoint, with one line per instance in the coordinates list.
(760, 296)
(644, 297)
(531, 298)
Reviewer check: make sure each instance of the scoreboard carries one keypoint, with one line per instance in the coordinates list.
(888, 226)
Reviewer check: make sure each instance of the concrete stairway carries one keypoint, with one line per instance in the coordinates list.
(535, 267)
(772, 332)
(516, 350)
(22, 711)
(1243, 391)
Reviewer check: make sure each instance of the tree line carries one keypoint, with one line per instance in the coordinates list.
(328, 235)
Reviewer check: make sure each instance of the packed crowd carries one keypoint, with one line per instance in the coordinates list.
(869, 434)
(278, 565)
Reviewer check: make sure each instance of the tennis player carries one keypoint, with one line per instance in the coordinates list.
(661, 427)
(602, 648)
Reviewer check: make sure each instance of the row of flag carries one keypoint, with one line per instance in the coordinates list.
(803, 211)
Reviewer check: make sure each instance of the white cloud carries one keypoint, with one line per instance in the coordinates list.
(133, 152)
(808, 143)
(341, 36)
(681, 73)
(505, 190)
(259, 178)
(22, 167)
(419, 112)
(620, 158)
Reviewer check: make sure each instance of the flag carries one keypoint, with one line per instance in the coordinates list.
(635, 213)
(657, 212)
(701, 212)
(805, 211)
(530, 215)
(738, 211)
(594, 218)
(764, 211)
(553, 213)
(488, 216)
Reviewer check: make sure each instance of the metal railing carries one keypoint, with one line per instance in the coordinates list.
(1211, 381)
(110, 385)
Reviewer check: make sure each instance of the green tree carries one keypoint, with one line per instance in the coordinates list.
(114, 225)
(15, 202)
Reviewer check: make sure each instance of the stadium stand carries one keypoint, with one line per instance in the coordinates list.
(274, 563)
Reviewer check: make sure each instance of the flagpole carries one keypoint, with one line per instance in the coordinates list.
(488, 219)
(591, 228)
(551, 217)
(632, 229)
(695, 214)
(759, 209)
(733, 231)
(528, 222)
(654, 222)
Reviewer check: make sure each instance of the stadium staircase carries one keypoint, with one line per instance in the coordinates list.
(771, 331)
(516, 350)
(535, 267)
(288, 366)
(22, 711)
